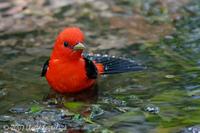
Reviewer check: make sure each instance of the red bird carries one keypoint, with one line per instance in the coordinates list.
(69, 70)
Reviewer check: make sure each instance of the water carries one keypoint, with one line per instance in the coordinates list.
(163, 98)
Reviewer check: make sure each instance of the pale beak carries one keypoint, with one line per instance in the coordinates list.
(79, 46)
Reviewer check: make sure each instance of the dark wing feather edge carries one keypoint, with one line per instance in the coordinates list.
(44, 68)
(113, 65)
(91, 69)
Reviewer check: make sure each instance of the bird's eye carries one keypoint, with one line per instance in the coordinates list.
(66, 44)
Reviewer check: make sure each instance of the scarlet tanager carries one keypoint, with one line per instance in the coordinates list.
(69, 70)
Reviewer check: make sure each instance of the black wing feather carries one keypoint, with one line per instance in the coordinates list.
(44, 68)
(113, 65)
(91, 69)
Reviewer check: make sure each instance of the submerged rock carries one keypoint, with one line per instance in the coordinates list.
(192, 129)
(19, 110)
(113, 101)
(96, 111)
(3, 92)
(6, 118)
(151, 109)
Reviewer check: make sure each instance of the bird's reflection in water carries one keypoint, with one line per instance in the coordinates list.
(88, 96)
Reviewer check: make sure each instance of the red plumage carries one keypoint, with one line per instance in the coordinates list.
(69, 71)
(66, 71)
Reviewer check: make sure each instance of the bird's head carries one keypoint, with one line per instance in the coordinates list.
(69, 43)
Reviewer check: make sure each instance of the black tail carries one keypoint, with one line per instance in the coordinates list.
(113, 65)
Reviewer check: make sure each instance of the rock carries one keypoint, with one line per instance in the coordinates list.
(3, 92)
(113, 42)
(5, 5)
(6, 118)
(117, 9)
(113, 101)
(19, 110)
(151, 109)
(100, 5)
(192, 129)
(96, 111)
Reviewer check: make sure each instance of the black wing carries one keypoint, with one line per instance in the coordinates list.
(44, 68)
(91, 69)
(113, 65)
